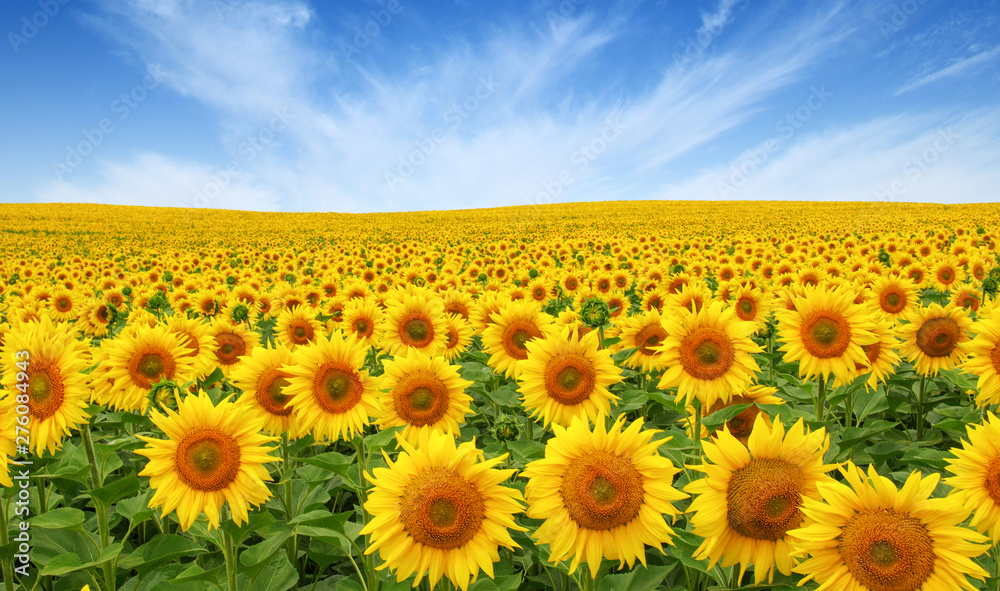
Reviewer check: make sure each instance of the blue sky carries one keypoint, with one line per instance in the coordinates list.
(399, 105)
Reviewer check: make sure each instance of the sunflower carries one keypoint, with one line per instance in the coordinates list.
(976, 480)
(423, 391)
(602, 494)
(894, 296)
(330, 395)
(868, 535)
(263, 380)
(212, 455)
(417, 322)
(707, 355)
(459, 336)
(506, 340)
(742, 424)
(984, 359)
(761, 485)
(968, 298)
(935, 337)
(564, 377)
(825, 333)
(439, 509)
(752, 305)
(365, 320)
(64, 305)
(618, 303)
(297, 327)
(8, 430)
(136, 360)
(485, 309)
(947, 274)
(644, 333)
(196, 336)
(56, 393)
(882, 356)
(232, 343)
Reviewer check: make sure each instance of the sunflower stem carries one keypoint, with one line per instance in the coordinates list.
(770, 358)
(229, 554)
(370, 574)
(696, 403)
(821, 399)
(292, 544)
(920, 409)
(7, 559)
(99, 507)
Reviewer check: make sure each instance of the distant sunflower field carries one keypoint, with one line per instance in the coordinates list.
(575, 397)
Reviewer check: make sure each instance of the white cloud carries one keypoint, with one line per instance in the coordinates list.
(155, 180)
(956, 69)
(906, 158)
(485, 126)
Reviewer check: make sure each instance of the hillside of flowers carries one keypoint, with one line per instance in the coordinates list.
(573, 397)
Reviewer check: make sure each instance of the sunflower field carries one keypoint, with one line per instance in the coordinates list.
(574, 397)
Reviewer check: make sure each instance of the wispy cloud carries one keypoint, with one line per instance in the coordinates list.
(713, 22)
(958, 68)
(504, 121)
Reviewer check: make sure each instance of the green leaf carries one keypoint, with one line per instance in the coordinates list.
(61, 518)
(524, 452)
(504, 397)
(853, 435)
(331, 460)
(384, 438)
(262, 551)
(163, 548)
(135, 508)
(640, 578)
(632, 400)
(622, 355)
(62, 564)
(869, 402)
(116, 489)
(936, 459)
(720, 417)
(277, 575)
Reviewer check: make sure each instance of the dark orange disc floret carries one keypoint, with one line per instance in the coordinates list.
(416, 330)
(938, 337)
(46, 390)
(441, 509)
(420, 398)
(270, 393)
(337, 387)
(602, 491)
(569, 378)
(230, 348)
(826, 334)
(149, 365)
(763, 499)
(516, 336)
(208, 460)
(707, 353)
(887, 550)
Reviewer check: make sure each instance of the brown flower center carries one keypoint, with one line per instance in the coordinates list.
(420, 398)
(271, 392)
(208, 460)
(826, 334)
(938, 337)
(569, 378)
(46, 390)
(707, 353)
(887, 550)
(230, 348)
(602, 491)
(337, 387)
(763, 498)
(441, 509)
